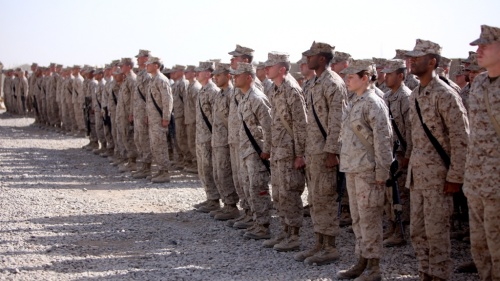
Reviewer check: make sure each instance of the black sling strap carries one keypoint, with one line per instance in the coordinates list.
(156, 105)
(205, 117)
(140, 93)
(432, 139)
(395, 126)
(114, 97)
(322, 130)
(256, 146)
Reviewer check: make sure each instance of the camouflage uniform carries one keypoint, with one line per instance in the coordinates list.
(123, 111)
(78, 98)
(444, 114)
(68, 110)
(22, 93)
(89, 93)
(141, 133)
(113, 88)
(190, 101)
(327, 92)
(481, 170)
(159, 91)
(179, 92)
(106, 104)
(464, 94)
(204, 139)
(97, 101)
(221, 158)
(288, 183)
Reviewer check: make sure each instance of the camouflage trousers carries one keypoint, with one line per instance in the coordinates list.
(93, 129)
(206, 170)
(141, 138)
(484, 219)
(287, 185)
(119, 150)
(53, 112)
(80, 120)
(191, 143)
(366, 201)
(430, 230)
(235, 169)
(181, 139)
(255, 182)
(223, 175)
(158, 143)
(70, 116)
(322, 183)
(404, 194)
(99, 127)
(43, 109)
(126, 132)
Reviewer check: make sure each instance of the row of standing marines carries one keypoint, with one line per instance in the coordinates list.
(364, 136)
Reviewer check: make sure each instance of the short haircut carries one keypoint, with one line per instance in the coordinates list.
(437, 57)
(328, 57)
(286, 65)
(401, 70)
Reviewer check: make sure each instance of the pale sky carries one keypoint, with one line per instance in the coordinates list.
(185, 32)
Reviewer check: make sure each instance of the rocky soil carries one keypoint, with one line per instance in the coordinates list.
(66, 214)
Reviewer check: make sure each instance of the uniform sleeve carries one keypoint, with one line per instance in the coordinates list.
(166, 100)
(299, 121)
(263, 113)
(335, 95)
(454, 117)
(378, 118)
(405, 112)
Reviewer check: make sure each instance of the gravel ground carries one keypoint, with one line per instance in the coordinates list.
(66, 214)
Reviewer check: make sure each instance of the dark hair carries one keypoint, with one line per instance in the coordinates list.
(401, 70)
(248, 57)
(286, 65)
(371, 76)
(437, 57)
(328, 57)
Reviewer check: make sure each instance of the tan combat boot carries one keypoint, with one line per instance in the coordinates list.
(395, 240)
(246, 222)
(228, 212)
(242, 216)
(278, 238)
(211, 205)
(261, 231)
(327, 255)
(162, 177)
(355, 271)
(372, 272)
(291, 243)
(144, 172)
(308, 253)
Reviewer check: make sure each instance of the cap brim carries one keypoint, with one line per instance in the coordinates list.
(388, 70)
(415, 54)
(350, 70)
(480, 41)
(269, 63)
(235, 53)
(309, 53)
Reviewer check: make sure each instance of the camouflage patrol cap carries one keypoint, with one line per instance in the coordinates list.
(297, 75)
(118, 71)
(393, 65)
(470, 58)
(221, 68)
(243, 67)
(461, 71)
(179, 67)
(205, 66)
(166, 70)
(260, 65)
(154, 60)
(489, 34)
(359, 65)
(90, 69)
(340, 57)
(190, 68)
(107, 66)
(33, 64)
(474, 66)
(59, 65)
(115, 63)
(401, 54)
(318, 48)
(440, 71)
(126, 61)
(424, 47)
(303, 60)
(445, 62)
(77, 66)
(143, 53)
(52, 64)
(99, 71)
(241, 51)
(379, 62)
(273, 58)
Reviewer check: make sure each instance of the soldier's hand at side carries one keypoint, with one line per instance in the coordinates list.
(131, 118)
(332, 160)
(164, 123)
(299, 163)
(451, 187)
(265, 155)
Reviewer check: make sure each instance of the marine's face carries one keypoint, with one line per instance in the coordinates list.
(234, 62)
(419, 65)
(354, 82)
(313, 62)
(488, 55)
(272, 71)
